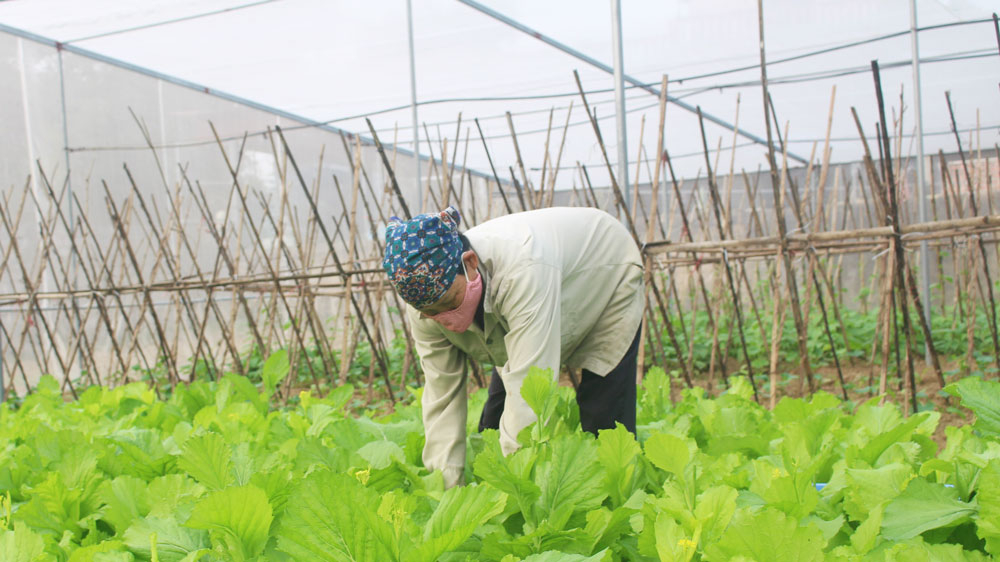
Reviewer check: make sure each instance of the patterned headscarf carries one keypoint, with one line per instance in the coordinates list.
(422, 255)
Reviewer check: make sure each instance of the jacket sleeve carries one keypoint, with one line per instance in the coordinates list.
(530, 304)
(444, 401)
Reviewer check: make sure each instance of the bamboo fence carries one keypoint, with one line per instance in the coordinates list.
(145, 297)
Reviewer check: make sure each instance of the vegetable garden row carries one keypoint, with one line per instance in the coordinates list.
(217, 471)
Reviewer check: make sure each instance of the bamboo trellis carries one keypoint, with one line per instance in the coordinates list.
(153, 299)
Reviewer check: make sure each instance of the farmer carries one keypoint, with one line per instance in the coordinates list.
(544, 288)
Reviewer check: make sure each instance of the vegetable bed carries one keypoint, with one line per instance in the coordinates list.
(216, 472)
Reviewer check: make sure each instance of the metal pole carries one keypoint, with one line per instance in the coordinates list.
(631, 80)
(616, 48)
(413, 107)
(73, 258)
(925, 268)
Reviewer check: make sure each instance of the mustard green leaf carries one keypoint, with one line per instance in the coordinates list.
(556, 556)
(332, 517)
(125, 500)
(107, 551)
(238, 518)
(571, 480)
(380, 454)
(668, 452)
(168, 493)
(714, 509)
(988, 520)
(672, 542)
(866, 536)
(207, 458)
(511, 475)
(275, 369)
(21, 545)
(767, 534)
(173, 542)
(983, 398)
(461, 511)
(923, 506)
(618, 451)
(868, 488)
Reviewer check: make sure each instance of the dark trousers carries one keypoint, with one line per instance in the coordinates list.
(602, 400)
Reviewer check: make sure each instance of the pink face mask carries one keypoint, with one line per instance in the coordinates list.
(459, 319)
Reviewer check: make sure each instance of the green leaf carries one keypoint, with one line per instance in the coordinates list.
(983, 398)
(21, 545)
(381, 454)
(241, 389)
(240, 518)
(668, 452)
(988, 521)
(923, 506)
(767, 535)
(541, 392)
(126, 500)
(142, 452)
(883, 440)
(871, 487)
(792, 493)
(107, 551)
(713, 510)
(332, 517)
(510, 475)
(571, 480)
(538, 391)
(173, 542)
(275, 369)
(617, 451)
(461, 511)
(53, 508)
(207, 459)
(556, 556)
(605, 527)
(168, 493)
(865, 537)
(672, 543)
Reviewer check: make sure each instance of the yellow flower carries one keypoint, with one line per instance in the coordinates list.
(776, 473)
(686, 543)
(362, 475)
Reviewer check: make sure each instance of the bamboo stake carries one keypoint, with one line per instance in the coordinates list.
(520, 165)
(900, 262)
(175, 274)
(777, 328)
(503, 195)
(98, 301)
(994, 328)
(972, 282)
(336, 259)
(562, 144)
(116, 219)
(222, 256)
(62, 268)
(793, 291)
(105, 259)
(296, 331)
(734, 294)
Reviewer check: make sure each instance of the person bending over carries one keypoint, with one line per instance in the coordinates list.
(543, 288)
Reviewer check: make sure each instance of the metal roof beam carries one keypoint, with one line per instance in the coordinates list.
(631, 80)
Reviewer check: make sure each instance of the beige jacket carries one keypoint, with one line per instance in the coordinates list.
(562, 286)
